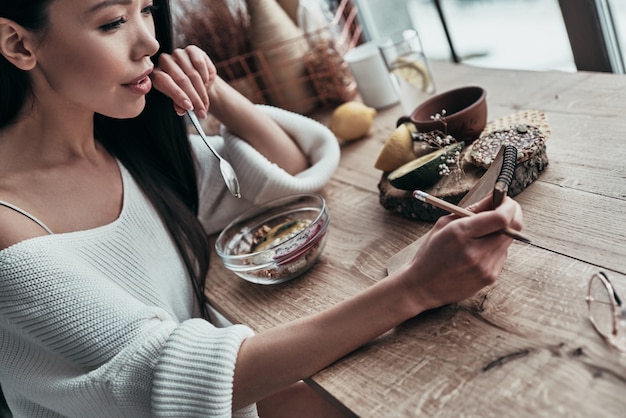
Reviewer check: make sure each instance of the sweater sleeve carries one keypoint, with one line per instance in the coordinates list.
(188, 382)
(261, 180)
(74, 342)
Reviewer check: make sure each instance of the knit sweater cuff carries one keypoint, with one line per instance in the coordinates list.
(267, 181)
(194, 376)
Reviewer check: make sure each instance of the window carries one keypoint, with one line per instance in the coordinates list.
(593, 27)
(515, 34)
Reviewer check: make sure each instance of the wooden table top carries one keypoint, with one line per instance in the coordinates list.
(522, 347)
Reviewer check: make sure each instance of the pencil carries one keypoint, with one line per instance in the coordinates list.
(459, 211)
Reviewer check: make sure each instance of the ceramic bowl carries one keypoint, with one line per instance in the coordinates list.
(277, 241)
(465, 113)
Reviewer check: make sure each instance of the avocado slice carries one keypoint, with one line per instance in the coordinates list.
(422, 172)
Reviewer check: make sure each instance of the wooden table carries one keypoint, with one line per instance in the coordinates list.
(522, 347)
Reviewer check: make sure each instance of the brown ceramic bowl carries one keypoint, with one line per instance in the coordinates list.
(466, 113)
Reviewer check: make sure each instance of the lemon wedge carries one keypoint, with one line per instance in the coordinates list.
(351, 120)
(398, 150)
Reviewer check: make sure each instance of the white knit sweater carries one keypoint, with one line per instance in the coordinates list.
(100, 322)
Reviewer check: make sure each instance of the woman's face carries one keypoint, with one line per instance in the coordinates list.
(95, 56)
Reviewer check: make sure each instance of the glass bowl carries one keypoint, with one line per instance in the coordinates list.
(277, 241)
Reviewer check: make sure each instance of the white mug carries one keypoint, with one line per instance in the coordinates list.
(372, 77)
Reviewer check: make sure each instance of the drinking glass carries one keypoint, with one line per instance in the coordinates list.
(406, 61)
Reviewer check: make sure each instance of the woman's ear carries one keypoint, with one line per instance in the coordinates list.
(16, 45)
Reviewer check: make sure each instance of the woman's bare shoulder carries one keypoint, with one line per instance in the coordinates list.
(16, 227)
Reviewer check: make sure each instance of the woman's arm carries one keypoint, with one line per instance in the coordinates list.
(243, 119)
(189, 77)
(459, 257)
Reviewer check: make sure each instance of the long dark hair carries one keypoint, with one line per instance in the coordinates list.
(153, 146)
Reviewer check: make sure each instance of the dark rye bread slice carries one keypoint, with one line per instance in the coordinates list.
(532, 160)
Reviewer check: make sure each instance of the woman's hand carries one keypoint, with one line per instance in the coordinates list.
(190, 78)
(461, 256)
(186, 76)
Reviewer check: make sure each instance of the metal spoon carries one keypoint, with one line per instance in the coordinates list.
(228, 173)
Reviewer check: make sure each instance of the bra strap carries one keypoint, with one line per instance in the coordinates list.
(28, 215)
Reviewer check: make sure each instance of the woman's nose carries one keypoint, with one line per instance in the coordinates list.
(147, 44)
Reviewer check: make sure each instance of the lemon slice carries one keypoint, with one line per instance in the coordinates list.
(397, 150)
(413, 72)
(422, 172)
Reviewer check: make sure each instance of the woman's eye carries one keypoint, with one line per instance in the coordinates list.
(116, 24)
(149, 9)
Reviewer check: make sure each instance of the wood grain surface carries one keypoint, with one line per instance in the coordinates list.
(522, 347)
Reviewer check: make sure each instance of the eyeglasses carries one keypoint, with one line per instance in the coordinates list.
(606, 313)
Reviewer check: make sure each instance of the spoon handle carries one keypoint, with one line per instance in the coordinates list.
(198, 126)
(228, 173)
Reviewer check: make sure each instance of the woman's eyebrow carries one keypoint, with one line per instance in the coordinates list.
(107, 3)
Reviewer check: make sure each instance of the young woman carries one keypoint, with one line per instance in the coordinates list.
(105, 204)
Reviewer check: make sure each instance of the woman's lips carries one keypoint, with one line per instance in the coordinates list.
(141, 85)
